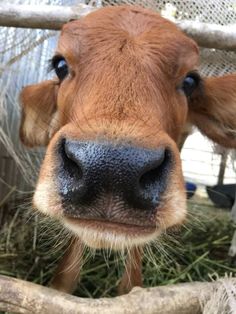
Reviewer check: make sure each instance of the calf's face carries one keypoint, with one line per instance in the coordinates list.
(125, 86)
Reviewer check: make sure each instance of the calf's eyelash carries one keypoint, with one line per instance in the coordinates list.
(52, 61)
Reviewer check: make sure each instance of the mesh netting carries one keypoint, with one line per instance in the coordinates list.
(24, 55)
(213, 62)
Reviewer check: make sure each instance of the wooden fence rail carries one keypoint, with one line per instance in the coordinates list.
(19, 296)
(53, 17)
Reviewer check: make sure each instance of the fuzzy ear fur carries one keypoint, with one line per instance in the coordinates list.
(39, 106)
(213, 110)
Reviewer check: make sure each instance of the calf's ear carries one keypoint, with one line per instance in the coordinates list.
(213, 109)
(39, 106)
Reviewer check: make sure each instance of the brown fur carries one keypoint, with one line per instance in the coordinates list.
(214, 112)
(68, 271)
(39, 106)
(126, 67)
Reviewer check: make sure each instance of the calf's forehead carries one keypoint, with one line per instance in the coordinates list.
(109, 29)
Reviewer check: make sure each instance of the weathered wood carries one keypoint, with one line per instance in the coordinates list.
(223, 164)
(40, 16)
(24, 297)
(210, 35)
(53, 17)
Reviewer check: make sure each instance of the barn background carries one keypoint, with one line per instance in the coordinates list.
(24, 55)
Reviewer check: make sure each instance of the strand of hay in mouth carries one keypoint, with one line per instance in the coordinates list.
(23, 297)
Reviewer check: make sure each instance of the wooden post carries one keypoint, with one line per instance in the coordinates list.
(223, 163)
(40, 16)
(20, 296)
(53, 17)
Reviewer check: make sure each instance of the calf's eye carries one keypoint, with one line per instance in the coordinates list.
(60, 66)
(190, 83)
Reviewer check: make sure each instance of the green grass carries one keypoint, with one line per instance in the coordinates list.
(28, 250)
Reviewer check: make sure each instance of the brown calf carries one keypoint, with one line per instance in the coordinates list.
(126, 85)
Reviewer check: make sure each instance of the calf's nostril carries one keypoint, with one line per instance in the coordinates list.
(71, 161)
(70, 154)
(149, 178)
(153, 180)
(151, 173)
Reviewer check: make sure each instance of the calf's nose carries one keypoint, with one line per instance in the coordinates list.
(89, 170)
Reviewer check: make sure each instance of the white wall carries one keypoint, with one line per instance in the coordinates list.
(199, 163)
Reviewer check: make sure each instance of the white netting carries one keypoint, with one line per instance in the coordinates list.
(24, 55)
